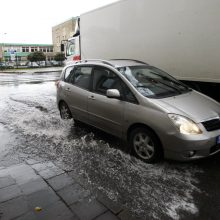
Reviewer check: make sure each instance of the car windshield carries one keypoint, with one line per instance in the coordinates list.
(153, 82)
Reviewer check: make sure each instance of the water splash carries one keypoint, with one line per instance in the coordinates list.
(152, 191)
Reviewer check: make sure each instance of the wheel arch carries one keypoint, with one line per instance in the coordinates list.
(60, 102)
(63, 102)
(141, 125)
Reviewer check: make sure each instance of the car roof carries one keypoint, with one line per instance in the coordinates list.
(116, 63)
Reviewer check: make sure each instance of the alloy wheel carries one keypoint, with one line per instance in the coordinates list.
(143, 146)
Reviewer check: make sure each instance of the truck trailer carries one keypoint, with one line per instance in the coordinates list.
(181, 37)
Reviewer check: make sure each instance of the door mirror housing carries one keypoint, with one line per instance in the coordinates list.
(113, 93)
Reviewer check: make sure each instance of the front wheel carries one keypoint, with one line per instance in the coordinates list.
(145, 145)
(65, 112)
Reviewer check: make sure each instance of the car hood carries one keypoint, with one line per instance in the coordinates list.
(193, 105)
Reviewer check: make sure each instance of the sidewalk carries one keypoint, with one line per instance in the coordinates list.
(40, 190)
(33, 70)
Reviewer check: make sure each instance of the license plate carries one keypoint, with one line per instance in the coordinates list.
(218, 140)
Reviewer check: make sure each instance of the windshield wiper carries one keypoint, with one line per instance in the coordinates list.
(173, 81)
(153, 80)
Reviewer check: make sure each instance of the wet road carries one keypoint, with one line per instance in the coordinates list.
(30, 127)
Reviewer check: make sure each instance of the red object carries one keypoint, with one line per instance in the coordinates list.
(76, 57)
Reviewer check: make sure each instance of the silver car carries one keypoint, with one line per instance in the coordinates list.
(156, 114)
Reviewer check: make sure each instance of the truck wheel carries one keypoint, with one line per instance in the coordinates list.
(65, 112)
(145, 145)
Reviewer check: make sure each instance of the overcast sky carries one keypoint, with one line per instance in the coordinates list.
(28, 21)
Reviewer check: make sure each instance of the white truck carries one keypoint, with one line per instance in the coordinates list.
(181, 37)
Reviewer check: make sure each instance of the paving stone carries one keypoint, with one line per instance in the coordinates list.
(58, 211)
(9, 192)
(43, 166)
(13, 208)
(27, 216)
(6, 181)
(126, 215)
(79, 178)
(107, 216)
(113, 206)
(88, 210)
(50, 172)
(73, 193)
(4, 172)
(33, 186)
(22, 173)
(43, 198)
(32, 161)
(61, 181)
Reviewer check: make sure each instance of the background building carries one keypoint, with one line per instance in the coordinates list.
(62, 32)
(14, 52)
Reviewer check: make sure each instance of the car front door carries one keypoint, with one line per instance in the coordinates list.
(77, 91)
(103, 112)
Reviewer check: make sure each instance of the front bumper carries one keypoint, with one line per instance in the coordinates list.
(191, 147)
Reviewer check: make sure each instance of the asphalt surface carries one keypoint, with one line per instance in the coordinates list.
(30, 127)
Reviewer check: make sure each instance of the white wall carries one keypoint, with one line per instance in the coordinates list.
(179, 36)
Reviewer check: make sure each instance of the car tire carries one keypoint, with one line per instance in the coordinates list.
(145, 145)
(65, 112)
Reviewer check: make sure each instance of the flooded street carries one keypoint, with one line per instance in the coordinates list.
(31, 127)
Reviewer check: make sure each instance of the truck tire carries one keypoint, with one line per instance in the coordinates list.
(145, 145)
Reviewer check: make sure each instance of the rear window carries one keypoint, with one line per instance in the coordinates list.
(79, 76)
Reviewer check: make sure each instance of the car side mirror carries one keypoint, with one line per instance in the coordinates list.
(113, 93)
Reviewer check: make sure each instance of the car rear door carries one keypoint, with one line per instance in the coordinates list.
(77, 91)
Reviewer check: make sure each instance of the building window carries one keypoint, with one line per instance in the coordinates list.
(43, 49)
(33, 49)
(25, 49)
(46, 49)
(50, 49)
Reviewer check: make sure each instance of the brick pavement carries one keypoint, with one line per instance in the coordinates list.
(58, 194)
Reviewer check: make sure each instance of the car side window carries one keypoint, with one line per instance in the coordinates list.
(104, 79)
(67, 73)
(80, 76)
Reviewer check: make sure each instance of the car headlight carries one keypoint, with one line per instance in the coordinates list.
(184, 125)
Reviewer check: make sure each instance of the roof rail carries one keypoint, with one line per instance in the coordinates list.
(99, 60)
(138, 61)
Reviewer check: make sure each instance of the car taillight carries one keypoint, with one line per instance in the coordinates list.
(76, 58)
(57, 84)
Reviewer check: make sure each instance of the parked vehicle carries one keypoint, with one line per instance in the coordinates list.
(56, 63)
(6, 66)
(180, 37)
(2, 66)
(32, 64)
(155, 113)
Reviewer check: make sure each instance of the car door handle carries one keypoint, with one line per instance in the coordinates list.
(91, 97)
